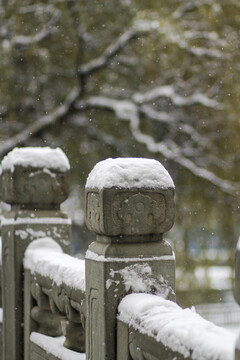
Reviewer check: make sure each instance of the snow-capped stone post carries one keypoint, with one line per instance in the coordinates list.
(35, 183)
(129, 205)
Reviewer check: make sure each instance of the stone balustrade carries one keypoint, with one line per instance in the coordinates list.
(129, 205)
(54, 293)
(150, 327)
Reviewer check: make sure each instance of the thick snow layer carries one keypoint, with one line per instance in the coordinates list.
(38, 157)
(128, 173)
(45, 256)
(55, 347)
(183, 331)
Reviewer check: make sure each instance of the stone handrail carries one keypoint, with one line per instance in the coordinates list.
(56, 281)
(150, 327)
(129, 205)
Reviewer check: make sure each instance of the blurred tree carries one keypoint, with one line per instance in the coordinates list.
(131, 78)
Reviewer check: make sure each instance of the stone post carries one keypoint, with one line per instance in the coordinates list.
(34, 183)
(237, 292)
(129, 205)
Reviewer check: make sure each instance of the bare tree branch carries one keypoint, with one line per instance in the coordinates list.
(169, 92)
(108, 54)
(32, 39)
(176, 36)
(27, 40)
(96, 134)
(124, 107)
(41, 123)
(190, 6)
(139, 28)
(160, 116)
(126, 110)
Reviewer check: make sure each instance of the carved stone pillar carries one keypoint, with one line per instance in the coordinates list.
(129, 211)
(34, 182)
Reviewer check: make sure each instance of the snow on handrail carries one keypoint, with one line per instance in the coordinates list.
(45, 257)
(182, 331)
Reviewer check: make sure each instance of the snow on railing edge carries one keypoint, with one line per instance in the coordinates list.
(181, 330)
(45, 256)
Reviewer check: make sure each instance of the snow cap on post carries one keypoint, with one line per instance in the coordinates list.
(129, 196)
(35, 177)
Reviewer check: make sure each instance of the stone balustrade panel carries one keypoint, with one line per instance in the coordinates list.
(56, 282)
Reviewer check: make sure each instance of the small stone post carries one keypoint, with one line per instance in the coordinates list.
(34, 183)
(129, 205)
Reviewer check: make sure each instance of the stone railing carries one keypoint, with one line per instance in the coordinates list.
(129, 205)
(54, 295)
(150, 327)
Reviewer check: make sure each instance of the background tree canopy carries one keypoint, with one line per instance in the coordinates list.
(133, 78)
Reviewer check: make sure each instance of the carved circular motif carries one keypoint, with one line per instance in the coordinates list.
(139, 207)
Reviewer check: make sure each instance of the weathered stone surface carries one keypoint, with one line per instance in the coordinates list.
(237, 273)
(66, 304)
(29, 324)
(75, 336)
(129, 254)
(48, 323)
(108, 279)
(132, 345)
(35, 194)
(142, 346)
(19, 228)
(136, 211)
(37, 353)
(32, 187)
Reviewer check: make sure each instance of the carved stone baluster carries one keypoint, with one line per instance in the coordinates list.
(72, 327)
(48, 323)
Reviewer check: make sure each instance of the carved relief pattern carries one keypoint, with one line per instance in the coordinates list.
(93, 210)
(41, 181)
(136, 351)
(94, 328)
(34, 185)
(53, 307)
(140, 212)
